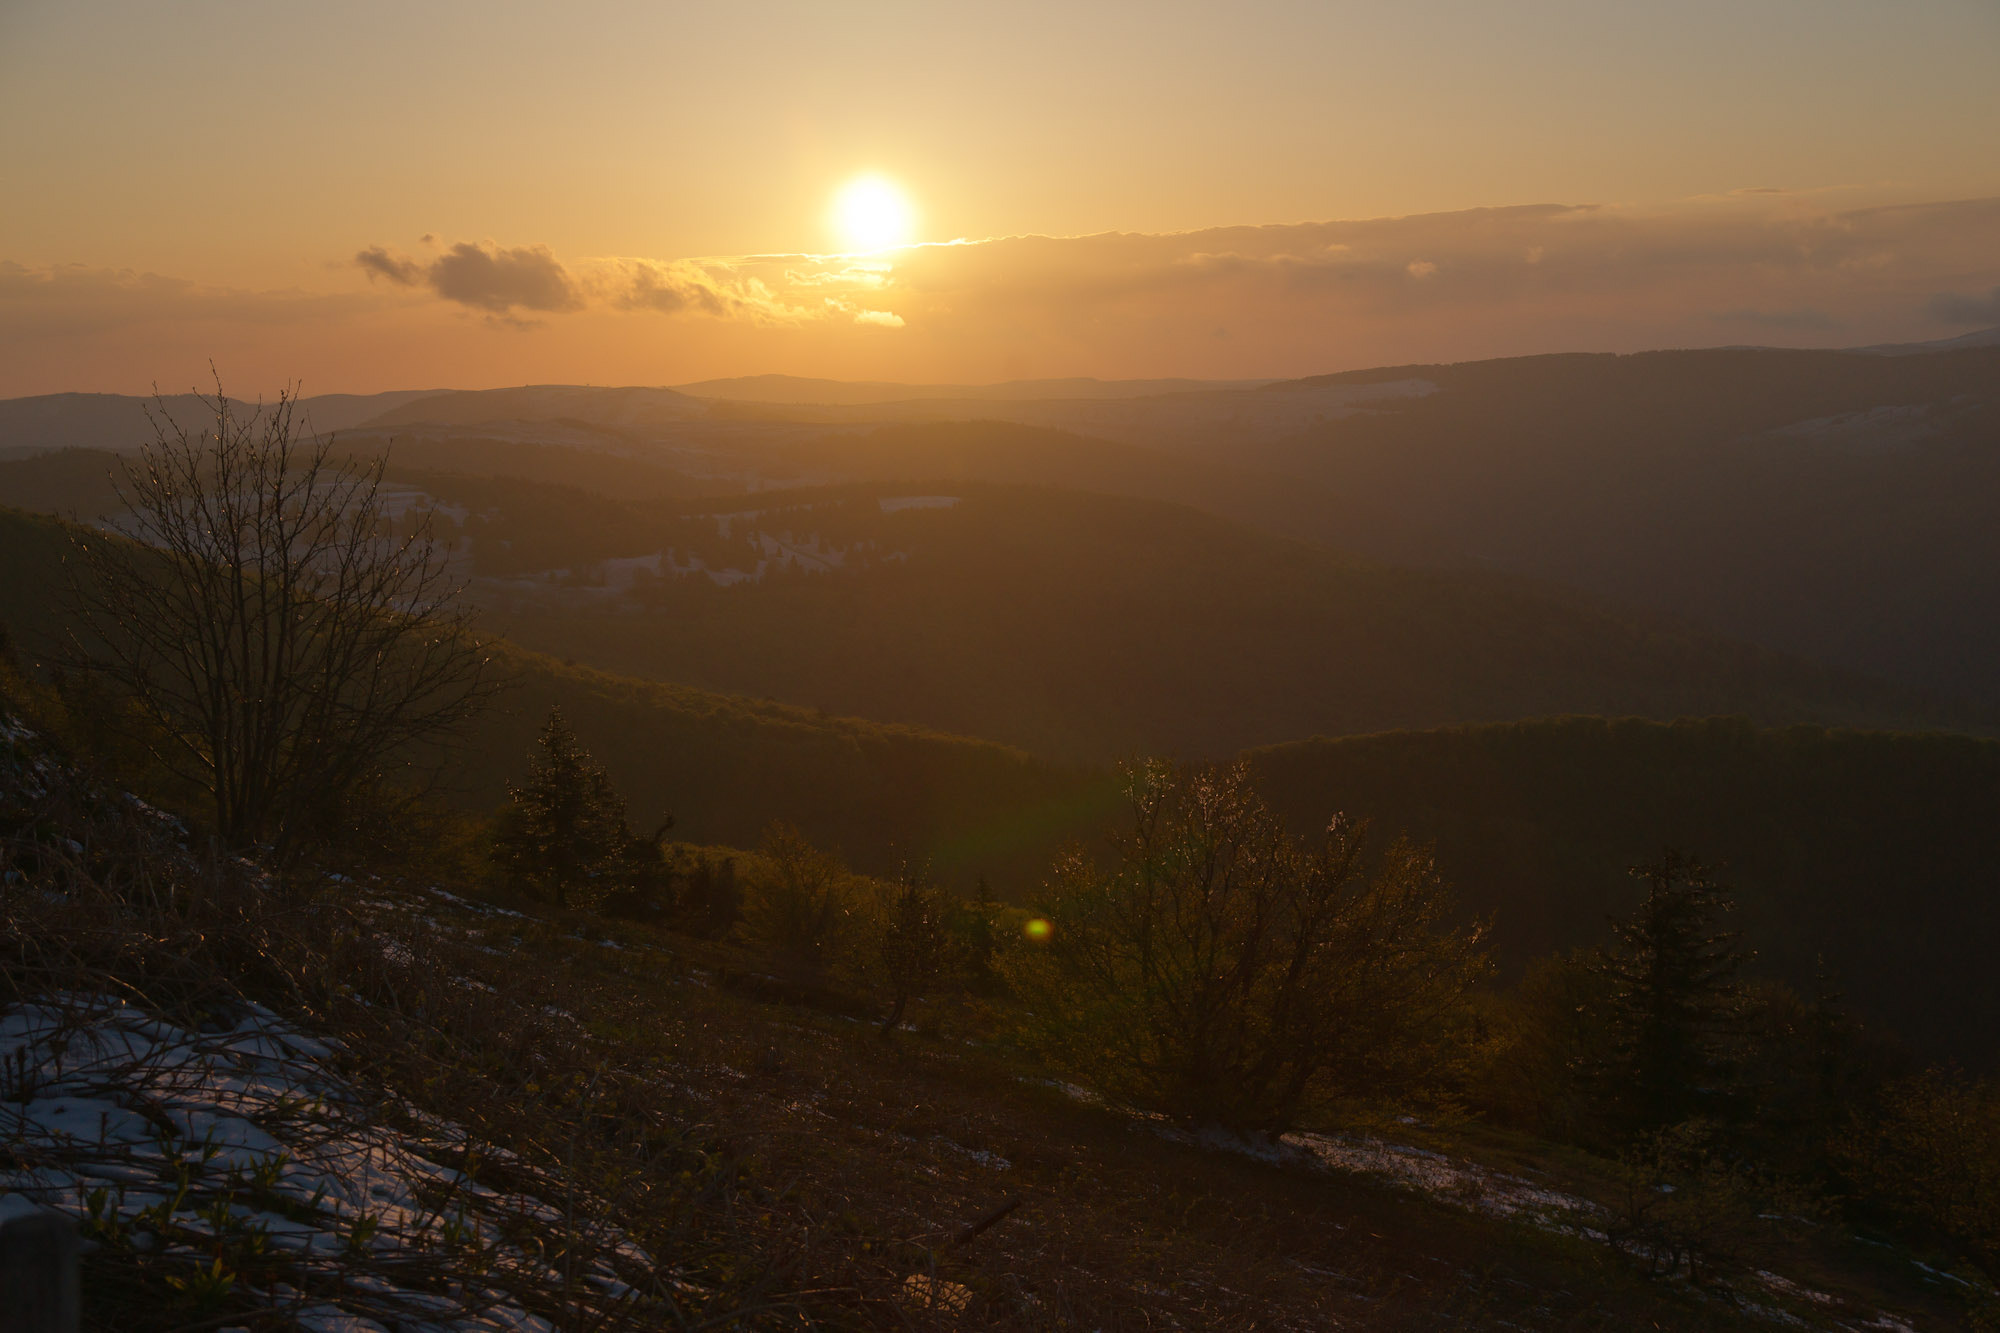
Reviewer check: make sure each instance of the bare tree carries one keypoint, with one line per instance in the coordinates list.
(1226, 972)
(281, 644)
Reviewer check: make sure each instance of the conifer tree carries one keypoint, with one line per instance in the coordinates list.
(916, 945)
(563, 836)
(1674, 997)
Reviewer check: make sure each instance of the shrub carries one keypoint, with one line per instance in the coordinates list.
(1932, 1155)
(1674, 1001)
(915, 944)
(801, 915)
(563, 837)
(1683, 1204)
(1551, 1037)
(1222, 972)
(280, 645)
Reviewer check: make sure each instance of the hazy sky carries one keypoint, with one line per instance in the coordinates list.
(181, 179)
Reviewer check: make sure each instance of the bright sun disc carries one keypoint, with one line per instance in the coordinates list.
(872, 214)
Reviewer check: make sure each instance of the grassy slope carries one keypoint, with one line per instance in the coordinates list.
(878, 1154)
(1879, 852)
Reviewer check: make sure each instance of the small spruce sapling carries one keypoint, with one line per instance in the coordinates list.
(916, 945)
(563, 836)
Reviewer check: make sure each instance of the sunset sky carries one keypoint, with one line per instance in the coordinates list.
(411, 195)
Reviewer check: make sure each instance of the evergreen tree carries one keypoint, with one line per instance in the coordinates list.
(1674, 998)
(916, 945)
(563, 836)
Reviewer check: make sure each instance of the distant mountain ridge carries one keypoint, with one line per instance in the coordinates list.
(1836, 506)
(118, 421)
(793, 389)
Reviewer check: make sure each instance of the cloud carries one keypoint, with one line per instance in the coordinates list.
(483, 277)
(1297, 299)
(79, 301)
(379, 263)
(1954, 308)
(498, 280)
(668, 288)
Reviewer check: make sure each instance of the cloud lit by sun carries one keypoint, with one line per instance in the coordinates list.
(873, 213)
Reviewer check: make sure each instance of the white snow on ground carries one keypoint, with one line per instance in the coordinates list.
(1464, 1184)
(140, 1127)
(1473, 1186)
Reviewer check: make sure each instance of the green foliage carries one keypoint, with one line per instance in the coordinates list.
(1222, 971)
(1931, 1155)
(1682, 1204)
(802, 914)
(1672, 998)
(1550, 1037)
(975, 927)
(708, 902)
(563, 838)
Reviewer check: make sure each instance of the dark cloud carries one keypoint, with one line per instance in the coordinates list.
(1955, 308)
(378, 262)
(498, 280)
(489, 278)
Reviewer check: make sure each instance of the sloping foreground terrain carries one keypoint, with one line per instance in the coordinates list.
(358, 1102)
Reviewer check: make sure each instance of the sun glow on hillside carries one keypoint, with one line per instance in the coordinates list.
(873, 213)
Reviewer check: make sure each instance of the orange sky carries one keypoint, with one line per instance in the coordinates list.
(372, 197)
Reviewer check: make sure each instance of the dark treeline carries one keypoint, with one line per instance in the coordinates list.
(1875, 856)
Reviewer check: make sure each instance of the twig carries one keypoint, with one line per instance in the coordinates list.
(971, 1233)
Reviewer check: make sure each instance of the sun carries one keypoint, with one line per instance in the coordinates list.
(873, 213)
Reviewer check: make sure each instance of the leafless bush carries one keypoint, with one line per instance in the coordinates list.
(280, 643)
(1224, 972)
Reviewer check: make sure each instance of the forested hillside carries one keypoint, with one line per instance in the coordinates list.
(1877, 853)
(722, 766)
(1835, 505)
(1089, 628)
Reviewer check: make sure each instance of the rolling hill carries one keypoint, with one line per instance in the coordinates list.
(722, 766)
(118, 421)
(1835, 505)
(1872, 850)
(1085, 627)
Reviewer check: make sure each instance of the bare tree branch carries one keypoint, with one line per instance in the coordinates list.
(279, 641)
